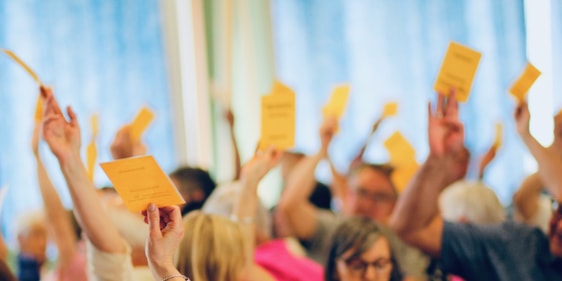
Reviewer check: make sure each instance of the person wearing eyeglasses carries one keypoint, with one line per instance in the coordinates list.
(360, 250)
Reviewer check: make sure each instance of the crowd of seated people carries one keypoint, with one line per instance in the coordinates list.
(441, 227)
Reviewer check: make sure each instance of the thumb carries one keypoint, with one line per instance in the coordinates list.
(154, 221)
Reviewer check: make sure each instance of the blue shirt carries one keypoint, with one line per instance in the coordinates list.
(507, 251)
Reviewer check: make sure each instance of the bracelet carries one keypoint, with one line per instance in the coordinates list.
(174, 276)
(244, 220)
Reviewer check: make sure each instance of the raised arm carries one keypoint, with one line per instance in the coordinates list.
(245, 208)
(550, 164)
(526, 198)
(165, 235)
(358, 159)
(486, 160)
(297, 211)
(63, 137)
(229, 116)
(59, 222)
(416, 218)
(339, 185)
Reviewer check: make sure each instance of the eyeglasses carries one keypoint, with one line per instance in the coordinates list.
(359, 267)
(377, 197)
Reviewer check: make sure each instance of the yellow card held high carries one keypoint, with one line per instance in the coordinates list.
(140, 181)
(400, 150)
(337, 103)
(278, 121)
(21, 63)
(390, 109)
(458, 71)
(141, 122)
(521, 87)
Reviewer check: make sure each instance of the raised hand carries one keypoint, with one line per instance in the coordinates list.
(327, 132)
(123, 145)
(261, 164)
(445, 131)
(165, 234)
(522, 118)
(63, 137)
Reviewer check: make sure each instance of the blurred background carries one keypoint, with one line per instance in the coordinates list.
(190, 60)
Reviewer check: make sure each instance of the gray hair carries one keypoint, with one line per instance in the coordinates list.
(471, 201)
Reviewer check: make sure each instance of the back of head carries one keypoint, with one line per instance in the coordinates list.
(191, 179)
(355, 234)
(222, 201)
(213, 248)
(471, 202)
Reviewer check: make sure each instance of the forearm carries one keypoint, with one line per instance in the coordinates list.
(549, 164)
(301, 182)
(59, 221)
(88, 208)
(236, 152)
(418, 206)
(526, 199)
(3, 249)
(245, 211)
(339, 183)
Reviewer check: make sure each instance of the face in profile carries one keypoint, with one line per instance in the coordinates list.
(555, 233)
(371, 194)
(373, 264)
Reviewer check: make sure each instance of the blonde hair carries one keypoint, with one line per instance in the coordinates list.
(213, 248)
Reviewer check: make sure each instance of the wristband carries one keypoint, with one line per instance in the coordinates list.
(174, 276)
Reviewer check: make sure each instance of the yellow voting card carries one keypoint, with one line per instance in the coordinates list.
(390, 109)
(457, 71)
(39, 107)
(499, 136)
(141, 122)
(278, 121)
(91, 150)
(95, 126)
(402, 175)
(91, 155)
(19, 61)
(400, 150)
(140, 181)
(338, 101)
(523, 84)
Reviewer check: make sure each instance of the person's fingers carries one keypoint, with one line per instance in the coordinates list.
(72, 116)
(452, 103)
(154, 222)
(440, 110)
(45, 91)
(429, 111)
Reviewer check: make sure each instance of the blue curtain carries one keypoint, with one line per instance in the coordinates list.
(392, 50)
(103, 57)
(556, 15)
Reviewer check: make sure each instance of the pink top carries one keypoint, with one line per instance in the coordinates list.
(284, 266)
(76, 271)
